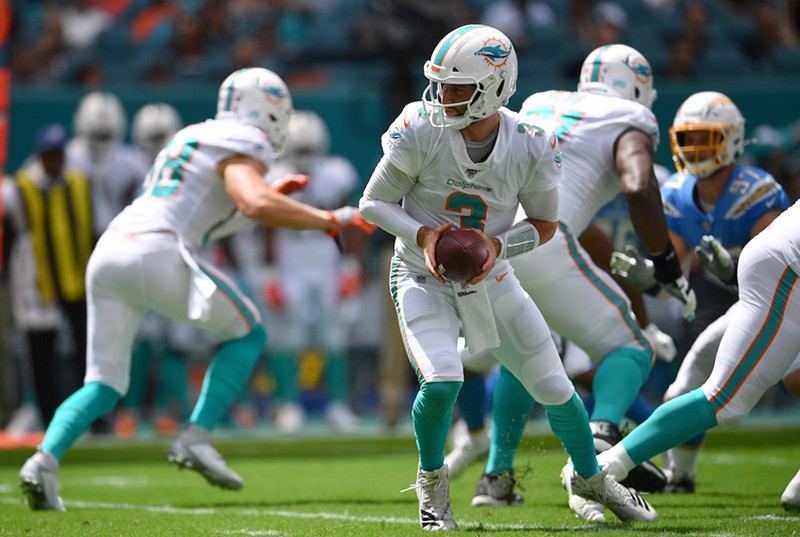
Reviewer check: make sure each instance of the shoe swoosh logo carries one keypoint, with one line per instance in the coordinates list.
(501, 277)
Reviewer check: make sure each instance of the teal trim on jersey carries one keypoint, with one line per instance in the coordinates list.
(610, 294)
(442, 52)
(217, 226)
(233, 295)
(597, 63)
(760, 344)
(74, 416)
(393, 291)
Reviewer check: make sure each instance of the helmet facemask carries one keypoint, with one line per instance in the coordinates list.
(686, 154)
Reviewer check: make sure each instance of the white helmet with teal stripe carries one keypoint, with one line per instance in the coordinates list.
(258, 97)
(472, 54)
(618, 70)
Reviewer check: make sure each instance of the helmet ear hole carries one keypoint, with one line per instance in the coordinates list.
(499, 91)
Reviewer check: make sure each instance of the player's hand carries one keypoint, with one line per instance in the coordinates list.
(488, 265)
(271, 289)
(668, 273)
(663, 343)
(290, 184)
(716, 259)
(427, 237)
(634, 269)
(349, 278)
(349, 217)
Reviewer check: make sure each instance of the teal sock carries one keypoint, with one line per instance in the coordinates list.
(671, 424)
(617, 382)
(511, 409)
(336, 376)
(140, 373)
(431, 415)
(570, 423)
(172, 381)
(226, 376)
(471, 402)
(284, 369)
(74, 416)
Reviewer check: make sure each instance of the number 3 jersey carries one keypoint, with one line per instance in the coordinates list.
(183, 191)
(449, 187)
(587, 125)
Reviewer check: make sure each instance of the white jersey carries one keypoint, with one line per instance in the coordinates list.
(450, 187)
(331, 182)
(587, 126)
(183, 192)
(116, 179)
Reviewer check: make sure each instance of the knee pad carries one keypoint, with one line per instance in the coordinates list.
(552, 389)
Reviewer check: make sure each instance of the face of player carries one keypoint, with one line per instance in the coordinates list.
(701, 140)
(458, 94)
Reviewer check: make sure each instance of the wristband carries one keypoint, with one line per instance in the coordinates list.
(520, 238)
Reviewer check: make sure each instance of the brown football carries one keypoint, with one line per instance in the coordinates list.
(460, 254)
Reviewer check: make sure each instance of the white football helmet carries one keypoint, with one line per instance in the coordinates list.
(714, 113)
(101, 121)
(153, 126)
(472, 54)
(308, 139)
(618, 70)
(258, 97)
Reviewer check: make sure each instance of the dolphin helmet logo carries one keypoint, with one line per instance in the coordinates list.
(639, 66)
(274, 94)
(495, 52)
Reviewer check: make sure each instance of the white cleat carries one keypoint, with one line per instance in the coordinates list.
(583, 508)
(433, 493)
(627, 504)
(289, 417)
(38, 480)
(341, 418)
(202, 457)
(790, 499)
(467, 448)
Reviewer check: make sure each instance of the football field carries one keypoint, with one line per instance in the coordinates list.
(352, 487)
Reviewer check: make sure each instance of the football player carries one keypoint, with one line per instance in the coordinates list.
(714, 207)
(206, 174)
(608, 136)
(461, 158)
(757, 350)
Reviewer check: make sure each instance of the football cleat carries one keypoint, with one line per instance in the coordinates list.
(497, 489)
(790, 499)
(433, 493)
(646, 477)
(340, 417)
(627, 504)
(202, 457)
(581, 507)
(289, 417)
(38, 480)
(467, 448)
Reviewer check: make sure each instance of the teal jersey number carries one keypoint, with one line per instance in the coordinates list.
(477, 208)
(167, 174)
(566, 120)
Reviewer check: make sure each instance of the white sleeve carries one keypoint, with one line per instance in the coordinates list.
(380, 201)
(542, 205)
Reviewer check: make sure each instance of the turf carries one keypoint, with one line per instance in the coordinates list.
(351, 487)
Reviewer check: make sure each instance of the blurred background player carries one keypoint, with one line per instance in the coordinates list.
(714, 206)
(50, 235)
(158, 352)
(310, 288)
(209, 173)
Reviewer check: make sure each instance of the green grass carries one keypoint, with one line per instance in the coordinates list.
(351, 487)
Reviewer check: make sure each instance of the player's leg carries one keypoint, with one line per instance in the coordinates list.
(430, 326)
(528, 351)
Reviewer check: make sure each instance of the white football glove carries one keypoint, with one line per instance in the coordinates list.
(633, 268)
(664, 345)
(717, 259)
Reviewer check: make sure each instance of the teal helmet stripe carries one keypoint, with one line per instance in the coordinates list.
(759, 346)
(597, 63)
(451, 39)
(229, 96)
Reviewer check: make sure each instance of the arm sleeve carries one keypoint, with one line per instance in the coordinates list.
(380, 202)
(542, 205)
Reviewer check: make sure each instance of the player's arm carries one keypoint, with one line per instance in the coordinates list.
(244, 183)
(764, 221)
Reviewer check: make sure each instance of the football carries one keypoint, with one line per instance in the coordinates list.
(460, 254)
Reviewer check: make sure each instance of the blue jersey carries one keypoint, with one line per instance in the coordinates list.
(749, 193)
